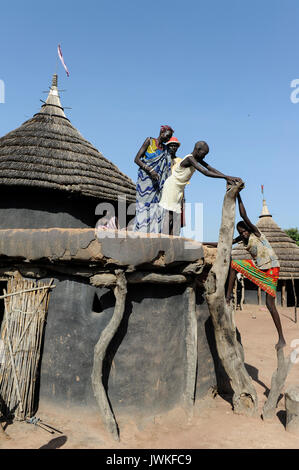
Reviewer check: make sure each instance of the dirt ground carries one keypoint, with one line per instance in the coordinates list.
(214, 424)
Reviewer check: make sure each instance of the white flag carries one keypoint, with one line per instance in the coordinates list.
(62, 61)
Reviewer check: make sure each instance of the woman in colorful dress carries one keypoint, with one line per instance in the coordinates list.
(263, 270)
(154, 168)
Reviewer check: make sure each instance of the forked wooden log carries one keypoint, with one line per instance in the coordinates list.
(277, 382)
(229, 349)
(120, 292)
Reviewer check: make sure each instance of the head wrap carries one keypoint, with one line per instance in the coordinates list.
(164, 128)
(173, 140)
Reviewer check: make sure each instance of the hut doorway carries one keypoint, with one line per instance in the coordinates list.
(290, 287)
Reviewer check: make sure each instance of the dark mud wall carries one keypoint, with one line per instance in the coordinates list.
(36, 208)
(144, 369)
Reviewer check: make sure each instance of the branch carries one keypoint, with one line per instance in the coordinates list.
(100, 349)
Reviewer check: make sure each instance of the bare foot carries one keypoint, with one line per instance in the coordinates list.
(281, 344)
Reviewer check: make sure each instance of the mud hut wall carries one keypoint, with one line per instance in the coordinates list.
(208, 359)
(144, 369)
(37, 208)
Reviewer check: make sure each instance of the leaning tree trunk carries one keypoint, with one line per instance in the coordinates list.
(229, 349)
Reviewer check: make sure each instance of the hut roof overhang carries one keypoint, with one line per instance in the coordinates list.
(107, 249)
(285, 248)
(48, 152)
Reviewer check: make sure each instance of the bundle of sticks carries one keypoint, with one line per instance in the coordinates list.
(26, 304)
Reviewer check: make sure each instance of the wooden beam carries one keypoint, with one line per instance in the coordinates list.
(156, 278)
(295, 298)
(108, 279)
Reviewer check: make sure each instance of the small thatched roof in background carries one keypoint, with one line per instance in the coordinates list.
(284, 247)
(48, 152)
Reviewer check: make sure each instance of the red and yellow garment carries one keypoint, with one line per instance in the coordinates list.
(265, 279)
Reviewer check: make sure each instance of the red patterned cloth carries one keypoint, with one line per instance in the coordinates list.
(265, 279)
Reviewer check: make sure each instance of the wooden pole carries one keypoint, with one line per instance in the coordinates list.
(283, 293)
(259, 295)
(12, 359)
(243, 293)
(109, 279)
(25, 290)
(295, 298)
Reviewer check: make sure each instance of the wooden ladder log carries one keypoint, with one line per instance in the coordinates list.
(229, 349)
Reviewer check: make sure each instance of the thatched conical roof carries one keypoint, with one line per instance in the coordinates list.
(284, 247)
(48, 152)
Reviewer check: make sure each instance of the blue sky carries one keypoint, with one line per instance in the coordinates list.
(214, 70)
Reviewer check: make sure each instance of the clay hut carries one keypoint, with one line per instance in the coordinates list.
(121, 320)
(288, 255)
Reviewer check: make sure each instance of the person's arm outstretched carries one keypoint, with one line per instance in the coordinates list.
(207, 172)
(245, 217)
(234, 179)
(153, 174)
(215, 244)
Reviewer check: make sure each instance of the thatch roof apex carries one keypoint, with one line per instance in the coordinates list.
(265, 211)
(52, 104)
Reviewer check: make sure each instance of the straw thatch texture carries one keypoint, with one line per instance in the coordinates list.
(284, 247)
(48, 152)
(22, 327)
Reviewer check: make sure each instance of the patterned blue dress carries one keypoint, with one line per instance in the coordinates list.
(149, 215)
